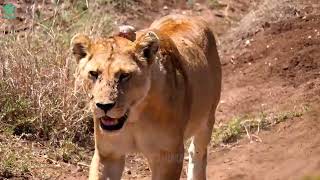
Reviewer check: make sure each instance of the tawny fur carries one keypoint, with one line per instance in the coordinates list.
(172, 95)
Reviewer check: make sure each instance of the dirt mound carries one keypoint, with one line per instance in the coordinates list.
(279, 60)
(301, 65)
(267, 12)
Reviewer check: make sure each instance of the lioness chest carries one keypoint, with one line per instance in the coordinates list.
(136, 137)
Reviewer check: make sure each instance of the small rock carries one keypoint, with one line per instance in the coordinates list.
(165, 8)
(247, 43)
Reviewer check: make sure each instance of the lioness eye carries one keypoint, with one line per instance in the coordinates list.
(93, 74)
(124, 77)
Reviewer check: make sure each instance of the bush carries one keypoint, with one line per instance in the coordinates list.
(39, 95)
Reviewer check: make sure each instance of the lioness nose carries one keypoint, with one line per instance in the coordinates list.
(105, 107)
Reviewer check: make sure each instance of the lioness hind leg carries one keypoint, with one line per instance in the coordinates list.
(106, 168)
(198, 153)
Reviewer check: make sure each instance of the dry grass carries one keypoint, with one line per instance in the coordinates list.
(23, 159)
(40, 101)
(39, 93)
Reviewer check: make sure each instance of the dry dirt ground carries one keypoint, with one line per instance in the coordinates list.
(272, 65)
(270, 53)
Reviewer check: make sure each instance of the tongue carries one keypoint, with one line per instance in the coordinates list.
(107, 121)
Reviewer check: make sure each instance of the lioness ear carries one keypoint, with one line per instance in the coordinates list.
(127, 32)
(80, 46)
(147, 46)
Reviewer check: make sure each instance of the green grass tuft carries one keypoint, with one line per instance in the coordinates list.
(239, 126)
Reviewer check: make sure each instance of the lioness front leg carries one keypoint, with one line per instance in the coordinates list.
(106, 168)
(167, 165)
(198, 152)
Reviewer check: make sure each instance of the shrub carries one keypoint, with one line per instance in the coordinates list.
(39, 95)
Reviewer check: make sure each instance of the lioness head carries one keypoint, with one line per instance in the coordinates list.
(116, 72)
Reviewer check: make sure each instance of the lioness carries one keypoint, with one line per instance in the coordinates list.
(149, 93)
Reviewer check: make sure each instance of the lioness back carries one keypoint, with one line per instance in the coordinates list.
(196, 44)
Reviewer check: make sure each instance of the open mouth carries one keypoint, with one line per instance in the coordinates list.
(112, 124)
